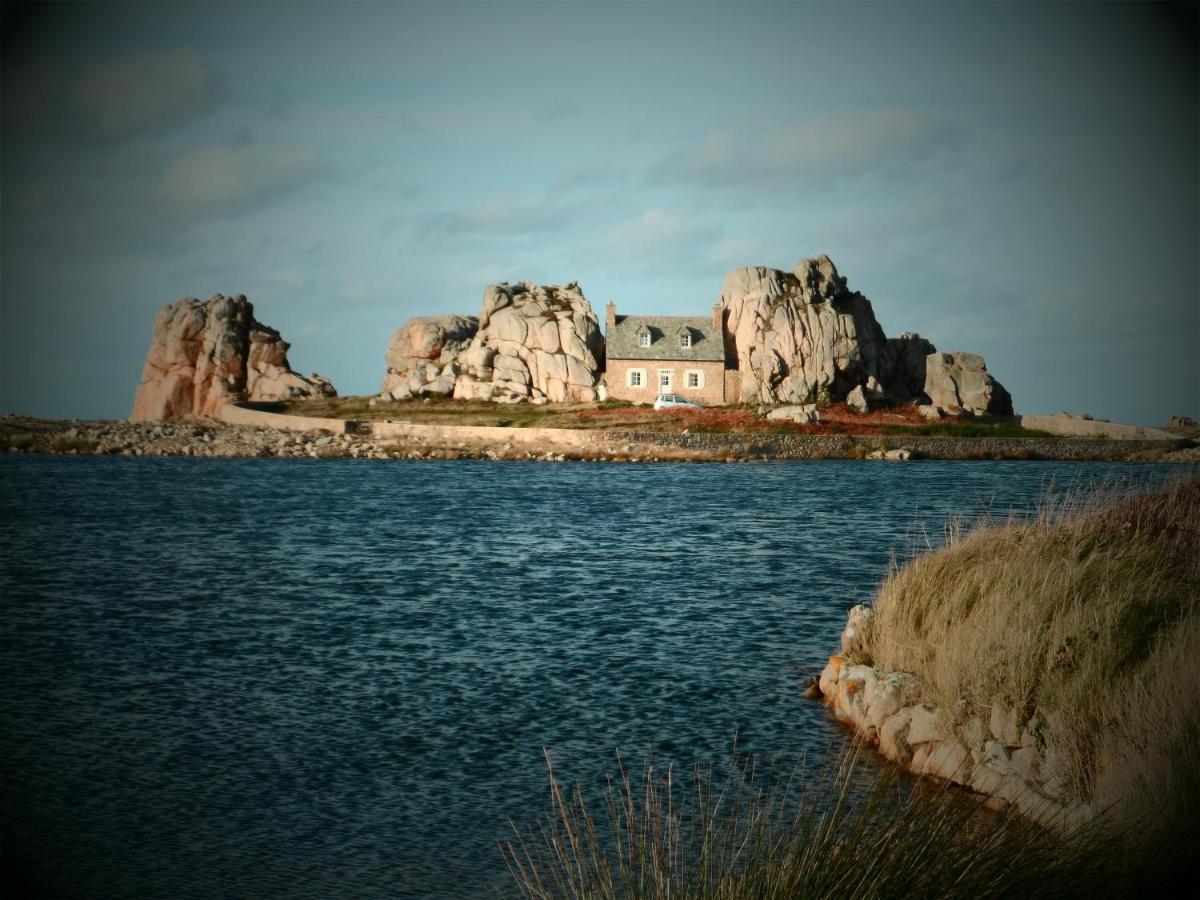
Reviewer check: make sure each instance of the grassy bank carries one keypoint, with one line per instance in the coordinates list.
(1087, 619)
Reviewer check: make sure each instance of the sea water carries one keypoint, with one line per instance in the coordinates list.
(339, 678)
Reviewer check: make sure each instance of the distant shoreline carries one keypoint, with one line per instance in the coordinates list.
(247, 434)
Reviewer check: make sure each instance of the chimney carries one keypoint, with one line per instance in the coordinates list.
(610, 317)
(718, 316)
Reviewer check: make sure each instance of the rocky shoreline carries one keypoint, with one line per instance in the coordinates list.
(1005, 756)
(328, 439)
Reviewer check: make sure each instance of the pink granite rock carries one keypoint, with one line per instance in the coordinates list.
(205, 354)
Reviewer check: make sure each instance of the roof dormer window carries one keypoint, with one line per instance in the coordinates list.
(685, 339)
(643, 336)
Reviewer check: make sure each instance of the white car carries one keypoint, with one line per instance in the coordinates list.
(675, 401)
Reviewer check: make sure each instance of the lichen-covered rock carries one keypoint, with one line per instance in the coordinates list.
(530, 342)
(960, 382)
(205, 354)
(805, 414)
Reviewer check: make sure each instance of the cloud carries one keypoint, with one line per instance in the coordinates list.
(214, 177)
(658, 240)
(124, 97)
(502, 215)
(825, 147)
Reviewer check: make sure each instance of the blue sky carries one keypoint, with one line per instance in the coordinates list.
(1017, 180)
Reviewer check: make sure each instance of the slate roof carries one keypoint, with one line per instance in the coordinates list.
(621, 342)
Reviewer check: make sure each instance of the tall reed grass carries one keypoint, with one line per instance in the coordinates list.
(828, 834)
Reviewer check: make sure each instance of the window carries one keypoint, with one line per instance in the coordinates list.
(694, 378)
(637, 377)
(685, 339)
(664, 380)
(644, 339)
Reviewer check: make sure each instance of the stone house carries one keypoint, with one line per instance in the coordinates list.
(652, 355)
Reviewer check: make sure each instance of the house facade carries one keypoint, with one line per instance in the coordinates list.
(652, 355)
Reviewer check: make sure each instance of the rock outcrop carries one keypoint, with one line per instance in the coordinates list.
(960, 383)
(205, 354)
(422, 350)
(535, 343)
(1004, 753)
(802, 337)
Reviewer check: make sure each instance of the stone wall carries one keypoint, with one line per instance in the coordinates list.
(820, 446)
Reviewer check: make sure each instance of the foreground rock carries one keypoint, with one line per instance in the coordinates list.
(205, 354)
(1005, 755)
(530, 342)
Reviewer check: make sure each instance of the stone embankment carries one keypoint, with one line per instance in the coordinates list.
(296, 440)
(250, 432)
(1006, 756)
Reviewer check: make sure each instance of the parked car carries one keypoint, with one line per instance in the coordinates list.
(675, 401)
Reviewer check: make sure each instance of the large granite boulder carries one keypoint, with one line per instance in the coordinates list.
(420, 350)
(912, 351)
(802, 336)
(205, 354)
(960, 383)
(530, 342)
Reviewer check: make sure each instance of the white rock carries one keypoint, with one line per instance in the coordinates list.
(805, 414)
(960, 382)
(926, 725)
(856, 400)
(857, 633)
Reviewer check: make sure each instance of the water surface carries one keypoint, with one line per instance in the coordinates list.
(320, 678)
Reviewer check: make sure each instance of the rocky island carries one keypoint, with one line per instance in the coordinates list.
(791, 364)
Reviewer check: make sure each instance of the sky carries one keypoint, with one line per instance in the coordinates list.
(1016, 180)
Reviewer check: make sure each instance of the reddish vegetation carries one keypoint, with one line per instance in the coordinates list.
(836, 418)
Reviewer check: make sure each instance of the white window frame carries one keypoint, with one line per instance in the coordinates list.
(640, 374)
(685, 340)
(687, 378)
(666, 380)
(644, 339)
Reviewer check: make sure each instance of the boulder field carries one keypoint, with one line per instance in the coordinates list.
(205, 354)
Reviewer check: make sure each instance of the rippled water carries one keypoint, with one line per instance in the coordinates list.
(303, 678)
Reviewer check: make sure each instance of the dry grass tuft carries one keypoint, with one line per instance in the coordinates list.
(838, 834)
